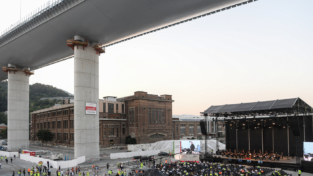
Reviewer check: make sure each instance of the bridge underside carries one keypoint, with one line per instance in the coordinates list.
(43, 41)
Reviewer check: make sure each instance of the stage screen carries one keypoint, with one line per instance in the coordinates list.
(190, 147)
(308, 151)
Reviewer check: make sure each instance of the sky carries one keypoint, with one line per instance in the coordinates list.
(256, 52)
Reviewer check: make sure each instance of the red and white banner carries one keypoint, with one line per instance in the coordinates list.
(91, 108)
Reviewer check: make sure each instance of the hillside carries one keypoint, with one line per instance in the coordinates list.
(36, 91)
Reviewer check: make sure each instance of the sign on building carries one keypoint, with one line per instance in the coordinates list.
(91, 108)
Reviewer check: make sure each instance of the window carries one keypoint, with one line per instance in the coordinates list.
(156, 115)
(123, 108)
(48, 125)
(65, 112)
(111, 131)
(53, 124)
(104, 132)
(37, 125)
(71, 123)
(65, 124)
(41, 125)
(49, 114)
(152, 116)
(149, 115)
(177, 129)
(104, 107)
(182, 129)
(116, 132)
(65, 136)
(131, 115)
(116, 108)
(72, 136)
(59, 113)
(123, 130)
(44, 125)
(59, 136)
(111, 108)
(191, 129)
(59, 124)
(198, 129)
(160, 116)
(163, 116)
(72, 111)
(53, 113)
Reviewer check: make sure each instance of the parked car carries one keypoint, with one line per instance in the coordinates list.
(163, 154)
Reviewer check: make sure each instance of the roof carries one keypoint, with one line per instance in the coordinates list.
(293, 104)
(40, 39)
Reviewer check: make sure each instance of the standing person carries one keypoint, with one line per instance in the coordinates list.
(28, 170)
(62, 172)
(0, 165)
(11, 160)
(6, 160)
(1, 158)
(19, 173)
(48, 164)
(299, 172)
(13, 174)
(76, 169)
(121, 166)
(49, 171)
(24, 172)
(79, 169)
(108, 166)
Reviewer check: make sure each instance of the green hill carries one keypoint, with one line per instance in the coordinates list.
(36, 91)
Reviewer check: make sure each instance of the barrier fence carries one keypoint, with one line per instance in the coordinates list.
(54, 164)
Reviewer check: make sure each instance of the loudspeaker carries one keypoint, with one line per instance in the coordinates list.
(203, 128)
(295, 126)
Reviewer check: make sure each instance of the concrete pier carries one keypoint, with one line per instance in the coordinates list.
(18, 111)
(86, 90)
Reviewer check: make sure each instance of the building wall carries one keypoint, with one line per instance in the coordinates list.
(137, 121)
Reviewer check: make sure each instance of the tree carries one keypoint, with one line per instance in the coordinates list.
(45, 136)
(4, 133)
(130, 140)
(3, 118)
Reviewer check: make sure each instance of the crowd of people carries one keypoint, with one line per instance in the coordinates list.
(198, 168)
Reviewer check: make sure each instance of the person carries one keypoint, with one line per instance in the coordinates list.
(13, 173)
(6, 160)
(24, 172)
(192, 147)
(141, 165)
(0, 165)
(299, 172)
(108, 166)
(48, 164)
(62, 172)
(19, 173)
(76, 169)
(79, 169)
(121, 166)
(31, 173)
(11, 160)
(49, 172)
(28, 170)
(1, 158)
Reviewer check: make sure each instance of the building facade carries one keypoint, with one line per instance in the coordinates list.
(143, 116)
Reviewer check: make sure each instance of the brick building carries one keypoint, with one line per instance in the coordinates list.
(146, 117)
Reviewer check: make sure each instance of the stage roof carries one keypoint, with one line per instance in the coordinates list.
(40, 39)
(283, 105)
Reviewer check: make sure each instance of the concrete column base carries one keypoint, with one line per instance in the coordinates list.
(18, 111)
(86, 90)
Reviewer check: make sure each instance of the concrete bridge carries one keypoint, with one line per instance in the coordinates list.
(82, 29)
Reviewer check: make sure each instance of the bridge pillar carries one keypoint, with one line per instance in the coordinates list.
(18, 110)
(86, 95)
